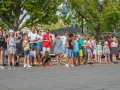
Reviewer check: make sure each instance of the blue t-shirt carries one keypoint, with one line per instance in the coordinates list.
(76, 46)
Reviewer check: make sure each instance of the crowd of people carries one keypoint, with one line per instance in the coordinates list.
(75, 49)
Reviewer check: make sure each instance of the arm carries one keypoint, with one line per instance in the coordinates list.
(24, 44)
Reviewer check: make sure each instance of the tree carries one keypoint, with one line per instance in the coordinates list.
(98, 18)
(40, 12)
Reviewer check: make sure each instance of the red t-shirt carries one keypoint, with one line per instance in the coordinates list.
(47, 44)
(109, 40)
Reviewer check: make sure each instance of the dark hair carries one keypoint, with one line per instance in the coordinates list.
(56, 34)
(46, 52)
(71, 35)
(47, 30)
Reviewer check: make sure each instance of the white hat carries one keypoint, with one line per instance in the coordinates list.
(11, 31)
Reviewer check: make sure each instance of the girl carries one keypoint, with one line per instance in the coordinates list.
(99, 52)
(114, 49)
(70, 50)
(75, 50)
(18, 46)
(106, 52)
(11, 46)
(58, 50)
(89, 51)
(39, 44)
(46, 59)
(2, 42)
(26, 48)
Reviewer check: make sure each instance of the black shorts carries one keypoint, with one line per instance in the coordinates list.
(47, 59)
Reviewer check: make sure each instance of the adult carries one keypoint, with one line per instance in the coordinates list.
(39, 44)
(109, 39)
(63, 38)
(5, 48)
(93, 42)
(2, 42)
(58, 48)
(18, 39)
(47, 38)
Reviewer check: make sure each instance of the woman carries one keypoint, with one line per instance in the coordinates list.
(114, 49)
(18, 39)
(2, 42)
(39, 44)
(58, 51)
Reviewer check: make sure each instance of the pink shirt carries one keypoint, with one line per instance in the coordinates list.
(109, 40)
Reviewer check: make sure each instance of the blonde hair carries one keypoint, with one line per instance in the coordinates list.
(115, 40)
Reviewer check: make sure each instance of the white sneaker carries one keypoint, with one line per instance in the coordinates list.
(9, 67)
(66, 65)
(29, 66)
(25, 65)
(2, 67)
(72, 65)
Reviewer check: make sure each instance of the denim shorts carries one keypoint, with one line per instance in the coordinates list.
(26, 52)
(39, 46)
(76, 54)
(70, 53)
(33, 45)
(89, 50)
(64, 48)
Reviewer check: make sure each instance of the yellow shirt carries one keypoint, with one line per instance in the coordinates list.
(26, 45)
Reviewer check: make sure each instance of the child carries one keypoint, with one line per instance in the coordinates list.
(26, 48)
(70, 50)
(89, 51)
(114, 49)
(11, 46)
(75, 50)
(99, 52)
(106, 52)
(46, 59)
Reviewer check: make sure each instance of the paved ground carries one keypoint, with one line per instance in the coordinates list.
(89, 77)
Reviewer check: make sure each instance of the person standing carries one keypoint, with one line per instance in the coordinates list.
(2, 43)
(106, 52)
(5, 48)
(99, 52)
(18, 39)
(47, 39)
(11, 46)
(58, 50)
(75, 50)
(70, 51)
(114, 49)
(39, 44)
(93, 42)
(33, 40)
(26, 48)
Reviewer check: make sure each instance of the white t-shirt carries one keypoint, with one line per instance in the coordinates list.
(41, 38)
(32, 36)
(63, 38)
(114, 44)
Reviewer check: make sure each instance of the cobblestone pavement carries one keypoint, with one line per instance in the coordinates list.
(84, 77)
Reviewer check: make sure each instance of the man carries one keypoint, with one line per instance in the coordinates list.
(47, 38)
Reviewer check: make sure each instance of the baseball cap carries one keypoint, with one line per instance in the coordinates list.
(11, 31)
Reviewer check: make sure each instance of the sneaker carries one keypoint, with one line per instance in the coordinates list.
(29, 66)
(48, 65)
(72, 65)
(42, 65)
(25, 65)
(9, 67)
(17, 64)
(2, 67)
(66, 65)
(13, 67)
